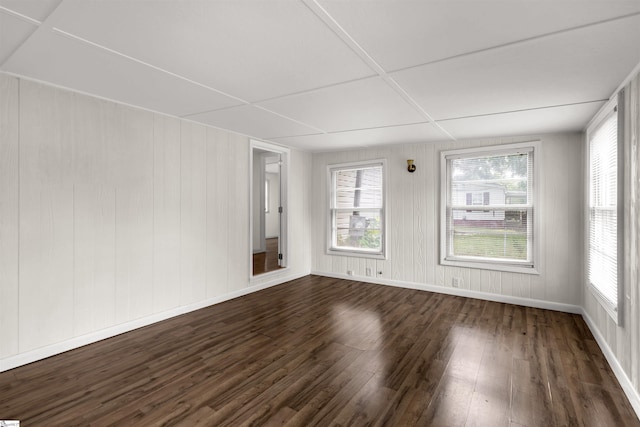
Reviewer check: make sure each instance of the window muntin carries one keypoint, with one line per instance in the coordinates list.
(488, 214)
(357, 209)
(603, 211)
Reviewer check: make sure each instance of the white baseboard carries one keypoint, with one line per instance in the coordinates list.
(527, 302)
(57, 348)
(623, 379)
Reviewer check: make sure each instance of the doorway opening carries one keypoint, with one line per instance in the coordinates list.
(268, 208)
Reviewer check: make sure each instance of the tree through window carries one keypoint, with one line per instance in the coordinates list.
(357, 208)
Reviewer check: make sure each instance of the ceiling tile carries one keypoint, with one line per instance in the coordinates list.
(253, 50)
(422, 132)
(13, 32)
(70, 63)
(578, 66)
(399, 34)
(571, 118)
(253, 121)
(355, 105)
(34, 9)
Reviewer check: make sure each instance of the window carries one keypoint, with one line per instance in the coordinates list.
(603, 211)
(356, 203)
(478, 198)
(488, 201)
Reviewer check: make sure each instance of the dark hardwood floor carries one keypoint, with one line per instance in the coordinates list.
(320, 351)
(264, 262)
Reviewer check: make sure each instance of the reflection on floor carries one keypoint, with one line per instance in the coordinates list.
(264, 262)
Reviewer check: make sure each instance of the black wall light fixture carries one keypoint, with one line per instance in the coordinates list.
(410, 166)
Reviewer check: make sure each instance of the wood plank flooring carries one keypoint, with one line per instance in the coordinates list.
(263, 262)
(321, 351)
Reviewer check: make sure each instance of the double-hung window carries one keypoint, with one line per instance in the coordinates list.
(603, 211)
(357, 209)
(488, 208)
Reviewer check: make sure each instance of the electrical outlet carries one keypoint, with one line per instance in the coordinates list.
(368, 271)
(349, 272)
(456, 282)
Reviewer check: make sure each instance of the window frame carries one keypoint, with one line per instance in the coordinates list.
(331, 250)
(615, 311)
(530, 267)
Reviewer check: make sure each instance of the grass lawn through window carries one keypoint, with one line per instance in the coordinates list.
(490, 243)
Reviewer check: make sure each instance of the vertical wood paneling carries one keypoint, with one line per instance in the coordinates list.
(633, 260)
(420, 214)
(94, 218)
(475, 279)
(166, 213)
(97, 200)
(507, 282)
(321, 261)
(133, 155)
(46, 216)
(522, 286)
(557, 195)
(432, 204)
(9, 192)
(301, 219)
(398, 203)
(217, 212)
(238, 216)
(193, 215)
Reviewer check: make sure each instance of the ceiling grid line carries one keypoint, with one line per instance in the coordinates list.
(546, 107)
(18, 15)
(178, 76)
(34, 22)
(146, 64)
(320, 75)
(335, 26)
(516, 42)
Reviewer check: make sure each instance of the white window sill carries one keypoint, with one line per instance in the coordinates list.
(511, 268)
(355, 253)
(611, 310)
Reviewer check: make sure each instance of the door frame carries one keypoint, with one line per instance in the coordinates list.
(283, 241)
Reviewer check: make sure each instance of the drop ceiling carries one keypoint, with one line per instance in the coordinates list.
(329, 75)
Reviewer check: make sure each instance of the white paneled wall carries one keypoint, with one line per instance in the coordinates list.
(113, 217)
(9, 215)
(166, 213)
(413, 222)
(193, 212)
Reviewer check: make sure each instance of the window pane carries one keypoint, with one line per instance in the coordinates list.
(358, 188)
(490, 180)
(603, 200)
(496, 234)
(360, 230)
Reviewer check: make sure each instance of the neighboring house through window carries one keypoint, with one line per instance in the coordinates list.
(357, 209)
(488, 205)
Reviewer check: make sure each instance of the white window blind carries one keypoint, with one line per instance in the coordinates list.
(357, 208)
(490, 207)
(603, 210)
